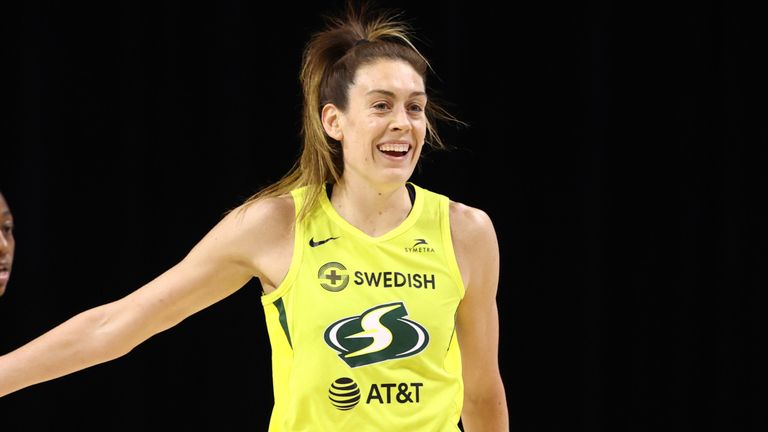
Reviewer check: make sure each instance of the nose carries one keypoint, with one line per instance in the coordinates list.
(400, 119)
(5, 243)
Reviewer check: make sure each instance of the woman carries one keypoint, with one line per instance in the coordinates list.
(7, 244)
(379, 295)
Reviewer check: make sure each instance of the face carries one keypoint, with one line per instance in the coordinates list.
(383, 129)
(7, 244)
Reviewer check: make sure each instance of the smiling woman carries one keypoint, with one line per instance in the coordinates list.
(379, 295)
(7, 243)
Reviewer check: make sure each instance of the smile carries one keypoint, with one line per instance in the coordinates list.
(394, 149)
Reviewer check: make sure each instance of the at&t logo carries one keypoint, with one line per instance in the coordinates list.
(345, 394)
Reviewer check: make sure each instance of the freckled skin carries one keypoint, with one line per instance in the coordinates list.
(373, 118)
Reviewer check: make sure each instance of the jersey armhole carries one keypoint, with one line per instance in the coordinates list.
(298, 236)
(450, 253)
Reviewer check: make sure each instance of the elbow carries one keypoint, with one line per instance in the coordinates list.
(110, 335)
(485, 408)
(485, 401)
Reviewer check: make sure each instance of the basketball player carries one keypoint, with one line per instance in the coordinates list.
(379, 295)
(7, 244)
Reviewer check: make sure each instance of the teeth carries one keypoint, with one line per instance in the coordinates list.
(394, 147)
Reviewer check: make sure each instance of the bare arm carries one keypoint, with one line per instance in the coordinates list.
(222, 262)
(485, 405)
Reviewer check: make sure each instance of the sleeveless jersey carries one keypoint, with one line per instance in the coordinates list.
(362, 329)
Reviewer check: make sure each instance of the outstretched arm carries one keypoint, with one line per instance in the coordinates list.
(222, 262)
(485, 405)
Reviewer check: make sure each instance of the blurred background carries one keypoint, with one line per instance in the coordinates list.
(619, 149)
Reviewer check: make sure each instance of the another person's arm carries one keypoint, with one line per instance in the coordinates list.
(485, 405)
(222, 262)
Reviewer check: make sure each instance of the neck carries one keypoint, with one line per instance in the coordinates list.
(375, 211)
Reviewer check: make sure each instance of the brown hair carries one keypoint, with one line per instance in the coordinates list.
(329, 63)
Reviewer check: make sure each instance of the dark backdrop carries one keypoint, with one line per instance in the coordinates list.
(620, 151)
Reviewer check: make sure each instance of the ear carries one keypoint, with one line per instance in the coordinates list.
(330, 116)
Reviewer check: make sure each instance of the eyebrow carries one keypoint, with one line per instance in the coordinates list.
(392, 94)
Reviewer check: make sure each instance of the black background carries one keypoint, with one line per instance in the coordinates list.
(620, 151)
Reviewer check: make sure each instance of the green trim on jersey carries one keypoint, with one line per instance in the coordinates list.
(362, 328)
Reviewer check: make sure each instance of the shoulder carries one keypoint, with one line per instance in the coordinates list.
(281, 207)
(264, 216)
(469, 222)
(474, 243)
(262, 232)
(251, 225)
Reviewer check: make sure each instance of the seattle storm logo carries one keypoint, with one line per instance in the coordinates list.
(379, 334)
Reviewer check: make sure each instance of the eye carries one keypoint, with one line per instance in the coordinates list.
(8, 228)
(381, 106)
(416, 108)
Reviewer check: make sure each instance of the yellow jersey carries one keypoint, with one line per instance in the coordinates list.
(362, 329)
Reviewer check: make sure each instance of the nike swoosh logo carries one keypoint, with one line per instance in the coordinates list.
(313, 243)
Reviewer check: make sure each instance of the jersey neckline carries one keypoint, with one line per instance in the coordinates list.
(409, 221)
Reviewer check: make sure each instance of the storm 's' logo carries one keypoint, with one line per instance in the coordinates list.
(378, 334)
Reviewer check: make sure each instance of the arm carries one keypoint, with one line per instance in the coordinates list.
(485, 405)
(222, 262)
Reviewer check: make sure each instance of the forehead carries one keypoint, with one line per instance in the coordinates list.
(395, 76)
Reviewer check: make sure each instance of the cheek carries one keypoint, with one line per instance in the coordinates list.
(355, 150)
(420, 132)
